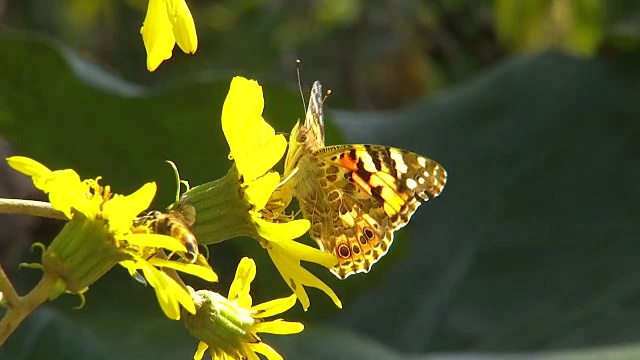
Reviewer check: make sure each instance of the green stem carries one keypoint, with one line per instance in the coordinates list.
(21, 307)
(222, 212)
(30, 207)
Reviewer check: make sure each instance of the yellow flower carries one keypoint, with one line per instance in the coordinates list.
(99, 236)
(255, 149)
(167, 22)
(229, 327)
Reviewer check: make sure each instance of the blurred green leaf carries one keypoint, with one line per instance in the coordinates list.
(532, 244)
(574, 25)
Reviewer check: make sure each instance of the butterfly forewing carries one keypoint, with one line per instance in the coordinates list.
(314, 119)
(356, 196)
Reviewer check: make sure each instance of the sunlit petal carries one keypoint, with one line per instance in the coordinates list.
(184, 28)
(239, 289)
(156, 241)
(257, 162)
(297, 250)
(242, 116)
(29, 167)
(260, 190)
(121, 210)
(200, 271)
(266, 350)
(202, 347)
(274, 307)
(282, 231)
(279, 327)
(157, 34)
(297, 277)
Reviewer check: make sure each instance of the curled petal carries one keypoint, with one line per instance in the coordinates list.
(200, 271)
(259, 190)
(239, 289)
(296, 250)
(279, 327)
(265, 350)
(242, 115)
(157, 34)
(202, 347)
(29, 167)
(184, 29)
(298, 277)
(169, 293)
(122, 210)
(156, 241)
(274, 307)
(283, 232)
(257, 162)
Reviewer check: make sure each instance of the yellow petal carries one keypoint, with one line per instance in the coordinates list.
(169, 293)
(274, 307)
(241, 285)
(157, 34)
(278, 327)
(156, 241)
(266, 350)
(241, 115)
(67, 191)
(184, 29)
(260, 190)
(203, 272)
(300, 251)
(122, 210)
(202, 347)
(282, 231)
(296, 276)
(254, 163)
(28, 166)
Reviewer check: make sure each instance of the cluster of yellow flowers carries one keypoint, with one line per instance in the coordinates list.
(106, 229)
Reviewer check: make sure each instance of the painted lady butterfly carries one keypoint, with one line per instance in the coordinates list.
(355, 196)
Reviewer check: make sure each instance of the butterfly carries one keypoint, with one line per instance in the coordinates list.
(355, 196)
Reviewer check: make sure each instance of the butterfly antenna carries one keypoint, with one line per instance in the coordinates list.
(326, 96)
(298, 64)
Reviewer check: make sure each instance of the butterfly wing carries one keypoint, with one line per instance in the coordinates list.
(355, 196)
(364, 193)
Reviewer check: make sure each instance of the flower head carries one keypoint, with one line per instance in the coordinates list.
(255, 149)
(229, 326)
(168, 22)
(99, 235)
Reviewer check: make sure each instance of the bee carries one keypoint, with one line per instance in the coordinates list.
(172, 224)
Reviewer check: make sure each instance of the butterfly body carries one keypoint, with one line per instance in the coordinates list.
(357, 195)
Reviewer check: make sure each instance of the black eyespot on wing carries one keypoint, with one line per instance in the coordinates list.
(344, 251)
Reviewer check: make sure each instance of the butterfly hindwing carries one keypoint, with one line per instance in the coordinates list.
(355, 196)
(372, 190)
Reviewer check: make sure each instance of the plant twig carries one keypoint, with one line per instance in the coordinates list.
(9, 294)
(21, 307)
(30, 207)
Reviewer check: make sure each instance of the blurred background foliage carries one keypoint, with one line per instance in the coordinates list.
(531, 106)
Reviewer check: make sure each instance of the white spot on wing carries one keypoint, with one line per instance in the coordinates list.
(422, 161)
(368, 162)
(400, 164)
(412, 184)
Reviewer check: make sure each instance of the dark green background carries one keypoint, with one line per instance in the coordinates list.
(530, 252)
